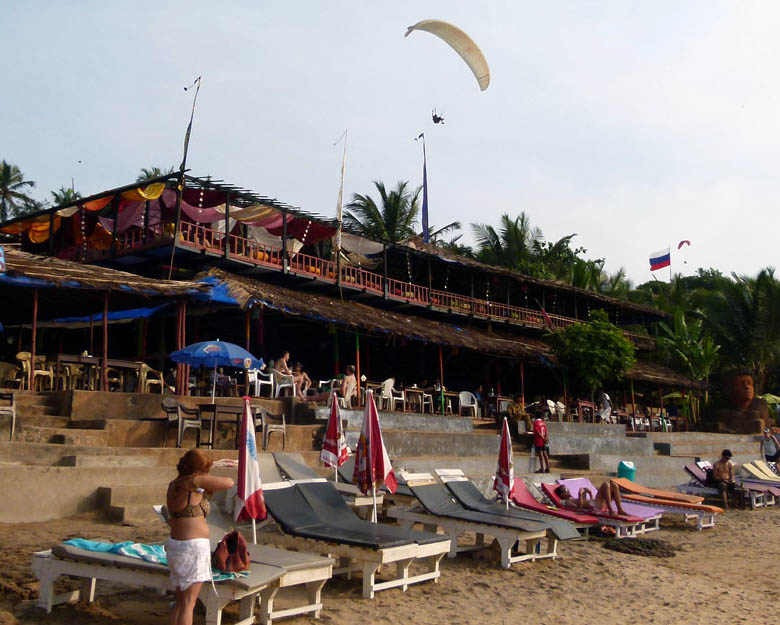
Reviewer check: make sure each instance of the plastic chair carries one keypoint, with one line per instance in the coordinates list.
(257, 380)
(389, 396)
(283, 381)
(150, 377)
(427, 400)
(182, 418)
(468, 401)
(38, 371)
(269, 428)
(9, 409)
(346, 401)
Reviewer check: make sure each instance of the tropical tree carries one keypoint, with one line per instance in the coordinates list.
(152, 172)
(594, 353)
(13, 200)
(392, 219)
(688, 347)
(512, 245)
(64, 195)
(743, 316)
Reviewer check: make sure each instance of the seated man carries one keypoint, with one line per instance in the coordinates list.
(723, 477)
(347, 388)
(586, 502)
(305, 379)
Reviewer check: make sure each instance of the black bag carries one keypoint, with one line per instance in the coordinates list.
(709, 480)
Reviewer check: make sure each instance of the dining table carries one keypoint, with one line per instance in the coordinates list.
(214, 412)
(413, 398)
(93, 366)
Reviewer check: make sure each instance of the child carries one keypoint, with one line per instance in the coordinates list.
(542, 445)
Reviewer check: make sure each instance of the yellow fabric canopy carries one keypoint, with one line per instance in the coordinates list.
(151, 192)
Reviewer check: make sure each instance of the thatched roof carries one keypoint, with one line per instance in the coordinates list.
(657, 374)
(351, 314)
(417, 245)
(24, 269)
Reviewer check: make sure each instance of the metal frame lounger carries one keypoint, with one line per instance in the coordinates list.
(262, 581)
(402, 496)
(756, 494)
(523, 498)
(437, 508)
(469, 496)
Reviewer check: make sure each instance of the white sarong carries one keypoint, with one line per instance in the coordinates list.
(189, 561)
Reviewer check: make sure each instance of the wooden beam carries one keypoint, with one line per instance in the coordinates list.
(103, 363)
(114, 233)
(146, 221)
(284, 242)
(384, 269)
(225, 239)
(31, 380)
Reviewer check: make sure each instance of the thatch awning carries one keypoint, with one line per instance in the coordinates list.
(28, 270)
(247, 292)
(657, 374)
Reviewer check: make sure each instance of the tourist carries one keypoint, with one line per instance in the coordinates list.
(346, 389)
(283, 368)
(770, 446)
(542, 445)
(305, 379)
(586, 501)
(723, 477)
(516, 412)
(188, 549)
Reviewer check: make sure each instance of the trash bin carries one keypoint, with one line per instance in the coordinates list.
(627, 470)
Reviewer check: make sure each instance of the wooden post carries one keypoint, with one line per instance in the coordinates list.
(114, 233)
(261, 327)
(104, 364)
(384, 270)
(31, 380)
(441, 378)
(522, 384)
(284, 241)
(430, 280)
(51, 233)
(633, 401)
(179, 345)
(247, 326)
(144, 235)
(185, 377)
(357, 364)
(225, 239)
(91, 335)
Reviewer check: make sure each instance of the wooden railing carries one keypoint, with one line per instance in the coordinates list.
(241, 248)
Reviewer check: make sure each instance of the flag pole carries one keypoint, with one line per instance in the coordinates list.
(254, 532)
(373, 496)
(339, 208)
(425, 231)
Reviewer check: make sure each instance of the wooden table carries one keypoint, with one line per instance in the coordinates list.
(582, 406)
(454, 401)
(95, 364)
(415, 392)
(212, 413)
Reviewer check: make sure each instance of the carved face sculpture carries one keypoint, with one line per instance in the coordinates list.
(741, 390)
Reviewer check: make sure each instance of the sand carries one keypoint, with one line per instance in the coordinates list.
(723, 575)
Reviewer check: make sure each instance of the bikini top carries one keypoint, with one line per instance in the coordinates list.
(191, 511)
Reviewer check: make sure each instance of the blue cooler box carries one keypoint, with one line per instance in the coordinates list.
(627, 470)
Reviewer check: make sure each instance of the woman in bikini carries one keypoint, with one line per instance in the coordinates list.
(607, 494)
(188, 549)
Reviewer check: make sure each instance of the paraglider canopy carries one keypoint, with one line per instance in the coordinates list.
(461, 43)
(683, 242)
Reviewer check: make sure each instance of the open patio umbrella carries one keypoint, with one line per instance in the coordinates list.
(504, 472)
(215, 354)
(372, 464)
(249, 502)
(334, 448)
(770, 399)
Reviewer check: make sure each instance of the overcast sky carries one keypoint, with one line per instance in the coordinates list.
(633, 124)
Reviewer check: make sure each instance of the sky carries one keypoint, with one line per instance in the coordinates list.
(634, 125)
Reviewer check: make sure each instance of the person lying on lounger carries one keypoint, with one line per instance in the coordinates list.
(586, 501)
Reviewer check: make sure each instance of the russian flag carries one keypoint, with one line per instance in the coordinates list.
(659, 260)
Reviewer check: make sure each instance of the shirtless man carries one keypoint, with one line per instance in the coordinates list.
(608, 493)
(723, 476)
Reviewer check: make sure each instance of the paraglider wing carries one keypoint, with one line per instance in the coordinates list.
(461, 43)
(683, 242)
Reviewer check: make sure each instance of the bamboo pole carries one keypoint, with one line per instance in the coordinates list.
(103, 363)
(441, 378)
(357, 365)
(31, 372)
(522, 384)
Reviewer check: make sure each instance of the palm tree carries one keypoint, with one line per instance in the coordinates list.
(152, 172)
(64, 195)
(512, 245)
(13, 201)
(393, 220)
(687, 344)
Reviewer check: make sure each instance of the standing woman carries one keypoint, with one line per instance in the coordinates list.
(188, 548)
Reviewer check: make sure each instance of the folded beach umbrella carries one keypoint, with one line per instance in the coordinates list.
(215, 354)
(502, 484)
(334, 447)
(249, 502)
(372, 464)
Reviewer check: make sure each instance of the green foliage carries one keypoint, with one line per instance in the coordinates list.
(152, 172)
(13, 199)
(595, 353)
(392, 220)
(688, 347)
(64, 195)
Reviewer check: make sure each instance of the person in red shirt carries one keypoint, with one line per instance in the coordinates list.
(542, 445)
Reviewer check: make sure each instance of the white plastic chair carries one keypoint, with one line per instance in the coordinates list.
(560, 410)
(346, 401)
(427, 400)
(606, 409)
(283, 381)
(389, 396)
(468, 401)
(257, 380)
(552, 408)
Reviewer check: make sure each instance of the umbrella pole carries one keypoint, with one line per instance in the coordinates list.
(254, 532)
(214, 384)
(373, 495)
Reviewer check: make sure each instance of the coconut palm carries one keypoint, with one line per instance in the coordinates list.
(689, 347)
(152, 172)
(64, 195)
(13, 200)
(392, 220)
(512, 245)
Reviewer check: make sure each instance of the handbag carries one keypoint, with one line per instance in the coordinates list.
(231, 554)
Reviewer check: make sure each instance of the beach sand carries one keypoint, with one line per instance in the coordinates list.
(722, 575)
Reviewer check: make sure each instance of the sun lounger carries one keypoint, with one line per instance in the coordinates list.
(437, 508)
(523, 498)
(650, 516)
(403, 496)
(470, 497)
(755, 494)
(262, 581)
(633, 488)
(764, 467)
(625, 526)
(703, 514)
(364, 548)
(295, 468)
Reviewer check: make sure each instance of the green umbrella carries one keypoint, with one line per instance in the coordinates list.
(770, 399)
(674, 395)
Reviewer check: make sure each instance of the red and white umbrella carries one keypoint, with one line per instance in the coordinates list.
(334, 447)
(250, 503)
(502, 484)
(372, 464)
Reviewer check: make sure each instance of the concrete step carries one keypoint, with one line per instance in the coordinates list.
(126, 494)
(109, 461)
(557, 428)
(596, 444)
(131, 514)
(726, 439)
(90, 438)
(407, 421)
(37, 411)
(706, 448)
(406, 443)
(46, 421)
